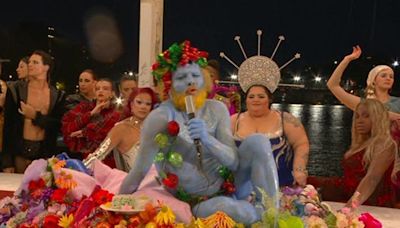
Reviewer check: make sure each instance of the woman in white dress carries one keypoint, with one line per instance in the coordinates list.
(124, 137)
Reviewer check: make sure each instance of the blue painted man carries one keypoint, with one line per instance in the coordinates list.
(180, 70)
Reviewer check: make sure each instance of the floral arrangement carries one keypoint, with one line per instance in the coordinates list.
(47, 200)
(170, 180)
(301, 207)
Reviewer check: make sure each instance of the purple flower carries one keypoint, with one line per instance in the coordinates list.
(292, 191)
(46, 194)
(34, 211)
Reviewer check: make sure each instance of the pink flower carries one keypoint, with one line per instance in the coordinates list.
(311, 209)
(345, 210)
(369, 221)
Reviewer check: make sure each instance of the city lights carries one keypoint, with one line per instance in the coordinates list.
(317, 79)
(296, 78)
(395, 63)
(234, 76)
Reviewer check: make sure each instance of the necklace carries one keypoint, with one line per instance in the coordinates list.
(135, 122)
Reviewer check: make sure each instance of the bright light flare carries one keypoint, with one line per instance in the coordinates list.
(119, 101)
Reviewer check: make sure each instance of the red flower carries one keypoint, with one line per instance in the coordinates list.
(173, 128)
(59, 195)
(26, 225)
(171, 181)
(33, 185)
(114, 219)
(167, 77)
(102, 196)
(155, 66)
(229, 187)
(51, 221)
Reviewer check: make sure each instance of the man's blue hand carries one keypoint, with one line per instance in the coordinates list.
(198, 130)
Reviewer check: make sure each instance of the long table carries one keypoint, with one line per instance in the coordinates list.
(389, 217)
(9, 182)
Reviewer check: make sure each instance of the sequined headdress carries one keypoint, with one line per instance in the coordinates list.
(259, 70)
(176, 55)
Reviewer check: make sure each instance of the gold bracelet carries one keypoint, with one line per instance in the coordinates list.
(301, 169)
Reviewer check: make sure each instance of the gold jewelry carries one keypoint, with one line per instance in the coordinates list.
(135, 122)
(301, 169)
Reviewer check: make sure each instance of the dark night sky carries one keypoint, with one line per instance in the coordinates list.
(322, 31)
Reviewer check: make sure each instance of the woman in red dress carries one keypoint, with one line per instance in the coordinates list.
(370, 165)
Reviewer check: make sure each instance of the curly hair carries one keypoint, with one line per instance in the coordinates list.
(380, 135)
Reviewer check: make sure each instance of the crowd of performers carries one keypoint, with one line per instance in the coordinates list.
(193, 157)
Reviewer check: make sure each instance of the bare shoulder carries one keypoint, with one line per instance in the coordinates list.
(120, 126)
(289, 118)
(234, 117)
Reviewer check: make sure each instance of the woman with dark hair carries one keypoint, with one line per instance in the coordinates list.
(286, 133)
(124, 136)
(22, 69)
(87, 83)
(86, 126)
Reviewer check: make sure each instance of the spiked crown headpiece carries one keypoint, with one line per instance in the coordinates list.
(259, 70)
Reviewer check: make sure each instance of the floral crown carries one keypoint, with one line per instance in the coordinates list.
(176, 55)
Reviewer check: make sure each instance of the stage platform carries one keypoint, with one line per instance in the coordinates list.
(389, 217)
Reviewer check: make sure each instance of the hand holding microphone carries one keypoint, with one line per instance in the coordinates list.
(197, 128)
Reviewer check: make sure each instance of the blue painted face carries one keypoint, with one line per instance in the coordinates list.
(188, 79)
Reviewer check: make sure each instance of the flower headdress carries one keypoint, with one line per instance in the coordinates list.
(259, 70)
(176, 55)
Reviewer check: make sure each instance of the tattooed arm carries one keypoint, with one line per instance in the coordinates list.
(298, 139)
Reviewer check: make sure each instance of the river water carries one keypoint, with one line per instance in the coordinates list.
(329, 131)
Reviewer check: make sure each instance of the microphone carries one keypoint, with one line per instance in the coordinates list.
(190, 110)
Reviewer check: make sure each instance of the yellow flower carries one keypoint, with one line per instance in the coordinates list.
(122, 224)
(165, 216)
(219, 220)
(66, 221)
(60, 164)
(65, 181)
(52, 161)
(198, 223)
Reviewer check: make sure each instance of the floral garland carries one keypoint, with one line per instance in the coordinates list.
(175, 56)
(165, 141)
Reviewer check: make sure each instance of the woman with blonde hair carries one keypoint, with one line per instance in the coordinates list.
(379, 83)
(371, 166)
